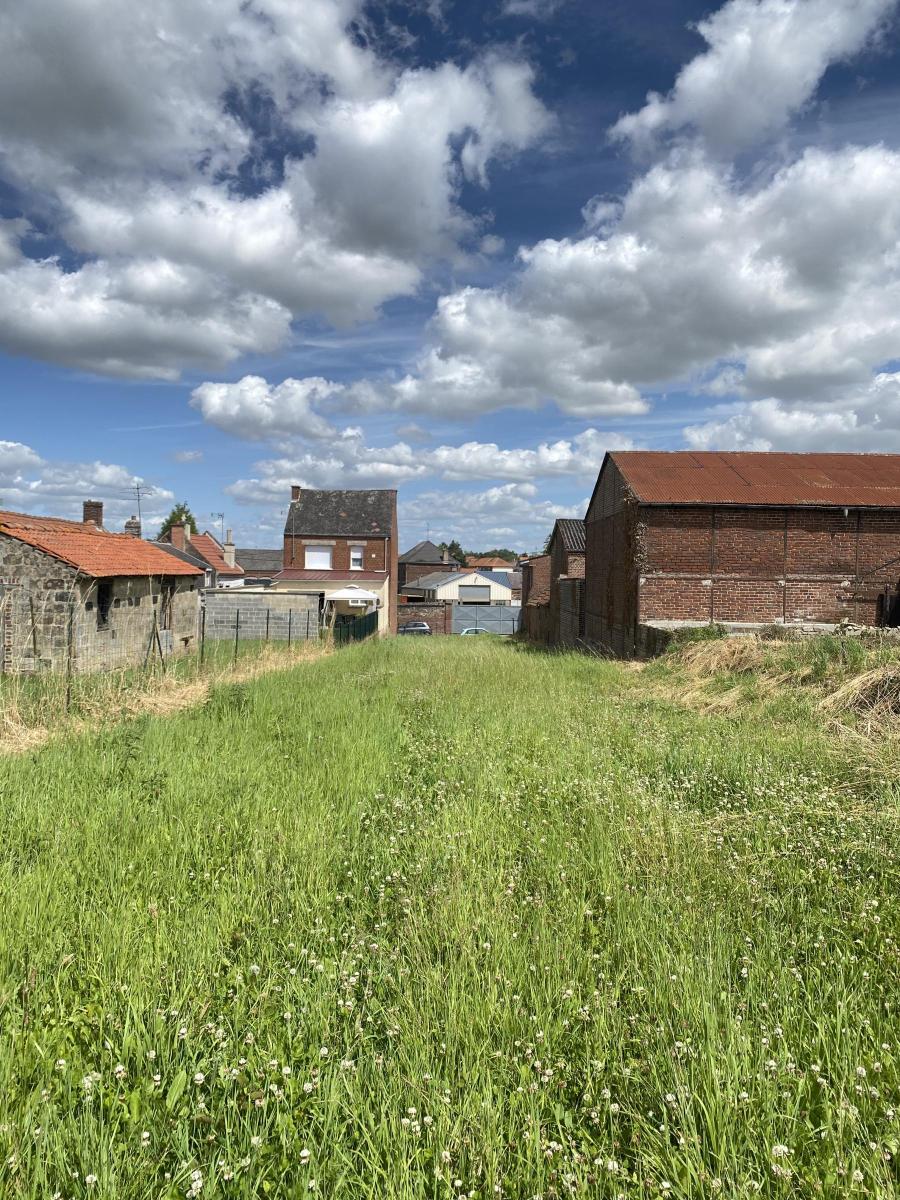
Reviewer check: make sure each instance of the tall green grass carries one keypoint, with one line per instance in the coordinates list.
(441, 918)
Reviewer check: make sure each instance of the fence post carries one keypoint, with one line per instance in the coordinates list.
(268, 611)
(70, 639)
(290, 625)
(202, 634)
(307, 624)
(237, 633)
(34, 641)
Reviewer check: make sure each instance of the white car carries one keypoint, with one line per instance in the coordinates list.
(473, 630)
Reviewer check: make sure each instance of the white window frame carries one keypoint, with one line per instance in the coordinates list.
(313, 551)
(361, 550)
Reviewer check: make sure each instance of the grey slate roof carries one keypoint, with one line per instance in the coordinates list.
(422, 552)
(425, 582)
(360, 513)
(259, 562)
(194, 559)
(571, 530)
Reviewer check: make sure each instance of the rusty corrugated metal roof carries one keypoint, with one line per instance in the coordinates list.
(761, 478)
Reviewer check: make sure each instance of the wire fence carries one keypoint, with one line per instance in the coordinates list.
(84, 652)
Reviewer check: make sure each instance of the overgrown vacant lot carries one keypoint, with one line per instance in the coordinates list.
(425, 919)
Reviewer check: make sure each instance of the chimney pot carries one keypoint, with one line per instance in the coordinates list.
(295, 491)
(133, 526)
(445, 557)
(92, 513)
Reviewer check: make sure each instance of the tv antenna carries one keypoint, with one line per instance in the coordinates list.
(219, 516)
(137, 491)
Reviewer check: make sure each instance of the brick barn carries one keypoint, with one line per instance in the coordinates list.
(739, 538)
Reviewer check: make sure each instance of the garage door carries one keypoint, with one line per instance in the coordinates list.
(475, 594)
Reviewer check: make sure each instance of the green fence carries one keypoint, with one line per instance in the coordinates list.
(356, 631)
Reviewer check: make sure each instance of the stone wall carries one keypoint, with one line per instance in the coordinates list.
(139, 607)
(37, 593)
(49, 615)
(293, 615)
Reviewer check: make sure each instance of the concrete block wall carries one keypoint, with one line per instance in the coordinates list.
(290, 614)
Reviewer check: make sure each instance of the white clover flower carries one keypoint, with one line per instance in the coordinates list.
(254, 969)
(199, 1078)
(256, 1141)
(90, 1180)
(324, 1052)
(779, 1151)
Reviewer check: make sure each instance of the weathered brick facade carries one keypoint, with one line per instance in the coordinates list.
(438, 615)
(754, 564)
(566, 563)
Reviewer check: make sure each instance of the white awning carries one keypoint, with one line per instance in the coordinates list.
(351, 592)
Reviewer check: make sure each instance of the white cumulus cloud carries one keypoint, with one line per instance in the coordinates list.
(764, 62)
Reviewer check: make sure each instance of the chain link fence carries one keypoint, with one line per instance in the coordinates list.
(90, 652)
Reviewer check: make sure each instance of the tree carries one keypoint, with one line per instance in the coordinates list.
(180, 513)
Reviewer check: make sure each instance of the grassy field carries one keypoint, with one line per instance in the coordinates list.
(434, 918)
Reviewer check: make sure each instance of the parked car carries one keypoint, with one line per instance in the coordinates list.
(472, 630)
(415, 627)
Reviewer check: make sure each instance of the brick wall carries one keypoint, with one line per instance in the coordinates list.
(377, 554)
(438, 615)
(615, 551)
(536, 578)
(571, 611)
(410, 572)
(536, 623)
(761, 565)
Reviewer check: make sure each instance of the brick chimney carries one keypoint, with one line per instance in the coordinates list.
(92, 513)
(228, 549)
(295, 491)
(178, 535)
(133, 526)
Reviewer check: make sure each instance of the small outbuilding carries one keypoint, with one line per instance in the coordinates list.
(740, 538)
(74, 597)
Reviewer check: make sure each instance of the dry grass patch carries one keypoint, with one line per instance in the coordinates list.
(124, 695)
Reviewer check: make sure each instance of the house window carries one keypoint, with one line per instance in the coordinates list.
(356, 557)
(318, 558)
(104, 600)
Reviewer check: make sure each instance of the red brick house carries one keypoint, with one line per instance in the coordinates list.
(217, 558)
(425, 558)
(343, 545)
(739, 538)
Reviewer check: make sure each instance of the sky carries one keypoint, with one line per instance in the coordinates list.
(457, 247)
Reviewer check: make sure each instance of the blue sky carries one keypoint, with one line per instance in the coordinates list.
(457, 248)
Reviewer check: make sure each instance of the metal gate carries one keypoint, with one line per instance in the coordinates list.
(495, 618)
